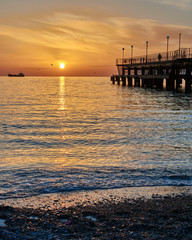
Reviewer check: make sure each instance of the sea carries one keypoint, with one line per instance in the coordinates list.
(69, 134)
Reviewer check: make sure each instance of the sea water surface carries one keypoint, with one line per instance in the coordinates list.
(60, 134)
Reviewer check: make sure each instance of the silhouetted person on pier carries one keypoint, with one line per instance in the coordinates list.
(183, 54)
(159, 57)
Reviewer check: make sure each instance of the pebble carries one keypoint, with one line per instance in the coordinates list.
(2, 223)
(92, 218)
(156, 218)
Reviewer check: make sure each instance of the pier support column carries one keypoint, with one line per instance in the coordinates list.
(137, 82)
(142, 80)
(147, 83)
(159, 84)
(142, 83)
(178, 83)
(188, 79)
(178, 80)
(118, 80)
(113, 79)
(123, 78)
(130, 84)
(151, 83)
(188, 85)
(170, 84)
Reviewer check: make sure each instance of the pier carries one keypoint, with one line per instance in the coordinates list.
(165, 69)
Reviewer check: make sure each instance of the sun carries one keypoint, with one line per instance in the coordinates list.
(62, 65)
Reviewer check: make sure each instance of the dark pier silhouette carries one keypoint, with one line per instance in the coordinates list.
(156, 70)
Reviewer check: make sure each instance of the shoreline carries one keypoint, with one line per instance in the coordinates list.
(71, 199)
(161, 216)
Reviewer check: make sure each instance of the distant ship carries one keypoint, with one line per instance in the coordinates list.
(16, 75)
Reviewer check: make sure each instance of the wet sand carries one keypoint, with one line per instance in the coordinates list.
(161, 214)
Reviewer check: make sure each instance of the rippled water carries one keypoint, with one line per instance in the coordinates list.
(66, 134)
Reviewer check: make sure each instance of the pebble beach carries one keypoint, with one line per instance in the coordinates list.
(157, 217)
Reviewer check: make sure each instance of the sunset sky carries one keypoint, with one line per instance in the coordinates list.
(87, 36)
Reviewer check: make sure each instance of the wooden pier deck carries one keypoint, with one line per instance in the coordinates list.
(155, 69)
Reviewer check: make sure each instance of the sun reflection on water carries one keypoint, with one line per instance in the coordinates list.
(62, 94)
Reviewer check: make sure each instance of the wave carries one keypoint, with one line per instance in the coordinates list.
(21, 183)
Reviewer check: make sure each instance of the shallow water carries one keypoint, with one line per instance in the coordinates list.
(67, 134)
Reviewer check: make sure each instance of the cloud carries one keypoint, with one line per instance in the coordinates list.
(84, 40)
(185, 4)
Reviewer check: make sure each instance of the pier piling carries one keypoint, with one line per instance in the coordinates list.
(123, 80)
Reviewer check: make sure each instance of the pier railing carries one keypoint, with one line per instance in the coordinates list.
(182, 53)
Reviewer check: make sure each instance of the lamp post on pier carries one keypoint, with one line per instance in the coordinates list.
(167, 48)
(179, 44)
(131, 53)
(147, 44)
(123, 49)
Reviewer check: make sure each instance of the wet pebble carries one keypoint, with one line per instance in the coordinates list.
(156, 218)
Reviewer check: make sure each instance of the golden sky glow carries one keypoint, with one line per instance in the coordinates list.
(36, 36)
